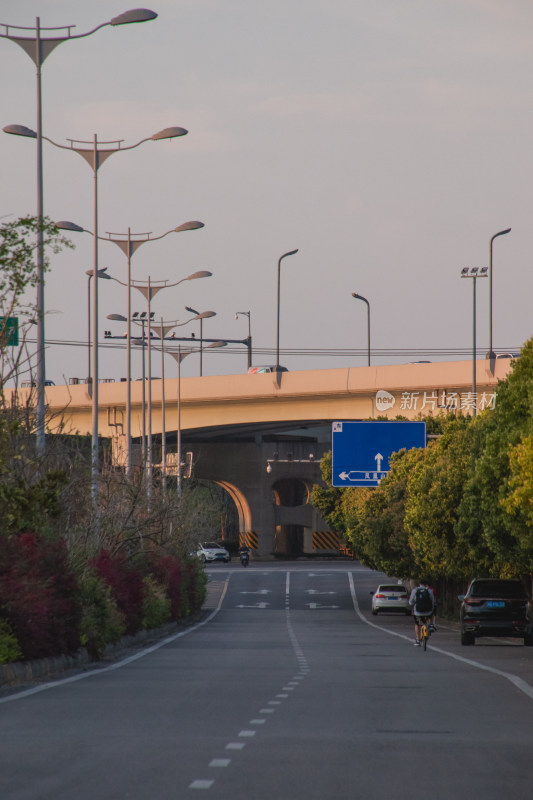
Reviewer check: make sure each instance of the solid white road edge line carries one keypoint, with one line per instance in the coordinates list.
(124, 661)
(514, 679)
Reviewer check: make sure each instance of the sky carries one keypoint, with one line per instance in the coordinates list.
(386, 141)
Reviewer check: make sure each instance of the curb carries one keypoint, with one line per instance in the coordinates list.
(20, 673)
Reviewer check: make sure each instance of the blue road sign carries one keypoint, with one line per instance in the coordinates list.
(361, 450)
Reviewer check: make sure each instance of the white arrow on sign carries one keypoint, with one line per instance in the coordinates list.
(360, 475)
(317, 605)
(257, 605)
(379, 458)
(315, 591)
(260, 591)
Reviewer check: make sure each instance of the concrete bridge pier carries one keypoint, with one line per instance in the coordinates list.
(275, 512)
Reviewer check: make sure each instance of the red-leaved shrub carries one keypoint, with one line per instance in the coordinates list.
(168, 571)
(126, 584)
(38, 595)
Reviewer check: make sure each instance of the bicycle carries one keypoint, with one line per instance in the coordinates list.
(424, 628)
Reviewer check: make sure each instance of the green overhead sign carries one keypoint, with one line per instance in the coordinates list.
(9, 331)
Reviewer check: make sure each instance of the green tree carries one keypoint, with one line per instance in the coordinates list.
(436, 488)
(328, 499)
(18, 275)
(488, 510)
(379, 535)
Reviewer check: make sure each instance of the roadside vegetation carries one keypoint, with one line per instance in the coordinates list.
(72, 575)
(461, 508)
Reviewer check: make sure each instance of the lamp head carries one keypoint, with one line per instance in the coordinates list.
(20, 130)
(65, 225)
(169, 133)
(193, 225)
(203, 273)
(135, 15)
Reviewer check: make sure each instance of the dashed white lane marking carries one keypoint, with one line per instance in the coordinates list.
(291, 685)
(201, 784)
(514, 679)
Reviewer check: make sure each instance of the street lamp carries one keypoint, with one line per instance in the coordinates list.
(492, 354)
(360, 297)
(201, 316)
(129, 243)
(178, 355)
(102, 273)
(162, 329)
(290, 253)
(474, 273)
(249, 345)
(149, 289)
(95, 157)
(38, 49)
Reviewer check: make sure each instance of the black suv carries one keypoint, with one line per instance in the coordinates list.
(494, 607)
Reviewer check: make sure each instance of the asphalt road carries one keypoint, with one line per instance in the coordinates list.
(289, 689)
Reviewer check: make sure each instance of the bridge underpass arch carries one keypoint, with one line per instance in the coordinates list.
(268, 470)
(241, 504)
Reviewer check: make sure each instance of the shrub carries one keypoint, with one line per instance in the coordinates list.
(156, 606)
(126, 584)
(101, 621)
(38, 595)
(9, 648)
(168, 572)
(196, 586)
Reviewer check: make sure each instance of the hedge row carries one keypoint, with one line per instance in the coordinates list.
(48, 610)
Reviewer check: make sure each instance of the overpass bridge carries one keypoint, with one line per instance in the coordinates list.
(239, 426)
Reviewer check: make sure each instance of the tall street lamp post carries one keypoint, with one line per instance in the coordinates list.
(492, 354)
(129, 243)
(38, 49)
(95, 157)
(201, 316)
(249, 345)
(178, 355)
(102, 273)
(149, 289)
(360, 297)
(290, 253)
(162, 329)
(474, 273)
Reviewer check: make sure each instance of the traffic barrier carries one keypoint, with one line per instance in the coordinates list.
(249, 539)
(325, 540)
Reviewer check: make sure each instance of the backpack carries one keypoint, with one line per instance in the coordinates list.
(423, 600)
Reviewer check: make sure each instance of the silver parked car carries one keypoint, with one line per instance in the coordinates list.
(390, 597)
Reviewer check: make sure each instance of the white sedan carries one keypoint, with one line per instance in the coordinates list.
(390, 597)
(211, 551)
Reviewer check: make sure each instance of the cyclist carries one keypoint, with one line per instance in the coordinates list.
(422, 601)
